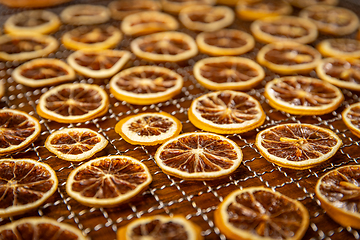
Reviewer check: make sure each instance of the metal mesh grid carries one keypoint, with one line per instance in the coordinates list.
(169, 195)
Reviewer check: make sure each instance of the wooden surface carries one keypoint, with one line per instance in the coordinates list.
(168, 195)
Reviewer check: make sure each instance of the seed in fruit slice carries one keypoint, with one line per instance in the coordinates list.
(225, 42)
(303, 95)
(226, 112)
(148, 128)
(98, 63)
(33, 21)
(85, 14)
(160, 227)
(340, 48)
(332, 20)
(340, 72)
(43, 72)
(18, 130)
(92, 37)
(288, 57)
(73, 103)
(175, 6)
(252, 10)
(351, 118)
(206, 18)
(41, 228)
(165, 46)
(108, 181)
(25, 46)
(308, 3)
(338, 192)
(75, 144)
(147, 22)
(260, 213)
(199, 156)
(25, 185)
(284, 28)
(146, 85)
(120, 9)
(297, 146)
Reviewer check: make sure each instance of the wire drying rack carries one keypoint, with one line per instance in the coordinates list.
(168, 195)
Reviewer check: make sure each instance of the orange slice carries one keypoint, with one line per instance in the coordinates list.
(98, 63)
(85, 14)
(284, 28)
(33, 21)
(73, 103)
(18, 130)
(303, 95)
(147, 22)
(260, 213)
(225, 42)
(148, 128)
(19, 47)
(42, 228)
(108, 181)
(340, 48)
(340, 72)
(199, 156)
(2, 89)
(120, 9)
(307, 3)
(288, 57)
(25, 185)
(92, 37)
(165, 47)
(332, 20)
(206, 18)
(351, 118)
(226, 112)
(175, 6)
(43, 72)
(146, 85)
(221, 73)
(252, 10)
(160, 227)
(297, 146)
(338, 192)
(75, 144)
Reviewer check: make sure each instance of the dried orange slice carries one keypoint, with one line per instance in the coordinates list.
(261, 213)
(19, 47)
(120, 9)
(226, 112)
(25, 185)
(340, 48)
(148, 128)
(351, 118)
(92, 37)
(331, 20)
(297, 146)
(284, 28)
(199, 156)
(42, 72)
(160, 227)
(108, 181)
(225, 42)
(73, 103)
(147, 22)
(42, 228)
(220, 73)
(206, 18)
(2, 89)
(252, 10)
(75, 144)
(85, 14)
(307, 3)
(288, 57)
(18, 130)
(340, 72)
(338, 192)
(165, 46)
(303, 95)
(98, 63)
(146, 85)
(175, 6)
(33, 21)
